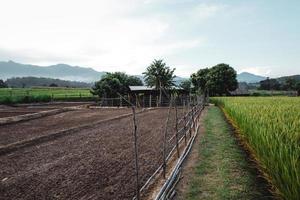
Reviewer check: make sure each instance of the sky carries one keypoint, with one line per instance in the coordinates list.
(257, 36)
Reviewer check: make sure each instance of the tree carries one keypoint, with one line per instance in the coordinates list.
(290, 84)
(160, 76)
(269, 84)
(113, 83)
(218, 80)
(2, 84)
(186, 84)
(222, 80)
(297, 88)
(53, 85)
(133, 81)
(199, 79)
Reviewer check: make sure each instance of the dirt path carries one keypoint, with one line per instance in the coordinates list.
(217, 167)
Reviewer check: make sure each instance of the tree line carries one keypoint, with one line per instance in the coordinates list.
(287, 84)
(217, 80)
(26, 82)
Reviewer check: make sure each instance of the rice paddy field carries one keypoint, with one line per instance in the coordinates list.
(270, 129)
(21, 95)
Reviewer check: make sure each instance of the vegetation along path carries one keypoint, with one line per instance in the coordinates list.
(220, 168)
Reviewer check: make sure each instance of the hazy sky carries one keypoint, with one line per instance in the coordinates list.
(258, 36)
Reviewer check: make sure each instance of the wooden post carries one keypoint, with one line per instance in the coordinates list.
(150, 101)
(176, 129)
(120, 102)
(165, 143)
(136, 101)
(190, 119)
(193, 120)
(136, 155)
(143, 100)
(156, 101)
(160, 93)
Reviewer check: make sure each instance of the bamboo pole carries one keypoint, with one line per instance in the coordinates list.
(185, 121)
(165, 142)
(176, 129)
(136, 155)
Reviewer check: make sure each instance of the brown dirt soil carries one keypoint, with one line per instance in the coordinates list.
(11, 133)
(95, 163)
(15, 111)
(22, 109)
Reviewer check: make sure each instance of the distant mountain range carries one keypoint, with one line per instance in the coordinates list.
(60, 71)
(74, 73)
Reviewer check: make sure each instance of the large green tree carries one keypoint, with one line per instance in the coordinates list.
(2, 84)
(269, 84)
(113, 83)
(160, 76)
(218, 80)
(186, 85)
(297, 87)
(199, 79)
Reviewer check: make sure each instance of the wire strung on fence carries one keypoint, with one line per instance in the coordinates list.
(185, 125)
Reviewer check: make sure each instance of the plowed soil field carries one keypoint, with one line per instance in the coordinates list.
(92, 163)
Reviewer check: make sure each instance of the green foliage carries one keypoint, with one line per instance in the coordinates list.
(159, 75)
(2, 84)
(218, 80)
(269, 84)
(200, 78)
(290, 84)
(298, 88)
(271, 127)
(21, 82)
(113, 83)
(186, 85)
(286, 84)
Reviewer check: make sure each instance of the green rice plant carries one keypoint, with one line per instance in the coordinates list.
(43, 94)
(270, 126)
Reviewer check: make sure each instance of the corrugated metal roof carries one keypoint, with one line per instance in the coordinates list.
(135, 88)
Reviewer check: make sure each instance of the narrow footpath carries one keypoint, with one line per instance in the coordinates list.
(217, 167)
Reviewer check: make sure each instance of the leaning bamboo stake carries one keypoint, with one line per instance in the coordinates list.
(185, 127)
(165, 141)
(136, 155)
(190, 119)
(193, 120)
(176, 129)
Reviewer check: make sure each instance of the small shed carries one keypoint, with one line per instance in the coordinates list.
(149, 96)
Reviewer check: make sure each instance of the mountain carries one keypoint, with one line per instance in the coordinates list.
(37, 81)
(284, 78)
(249, 78)
(60, 71)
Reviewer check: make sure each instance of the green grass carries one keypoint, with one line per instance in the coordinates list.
(270, 126)
(256, 92)
(36, 94)
(222, 171)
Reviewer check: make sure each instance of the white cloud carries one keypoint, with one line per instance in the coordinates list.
(100, 34)
(204, 11)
